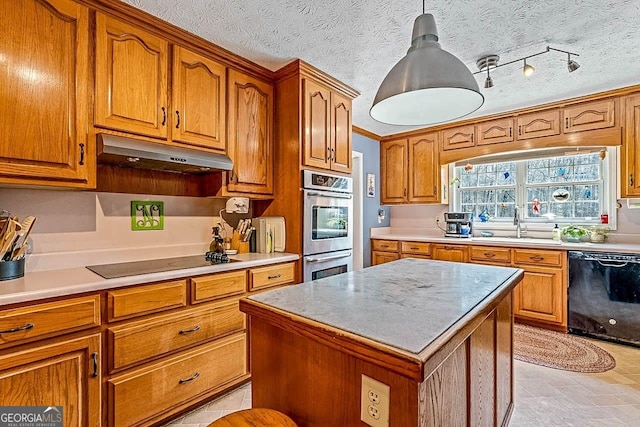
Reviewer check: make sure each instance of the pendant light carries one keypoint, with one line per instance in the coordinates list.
(429, 85)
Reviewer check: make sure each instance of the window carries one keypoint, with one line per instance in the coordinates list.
(565, 188)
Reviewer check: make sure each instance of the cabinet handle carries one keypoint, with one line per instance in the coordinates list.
(489, 254)
(232, 176)
(630, 180)
(510, 131)
(18, 329)
(189, 331)
(566, 123)
(81, 162)
(520, 130)
(414, 248)
(384, 246)
(333, 154)
(178, 123)
(405, 192)
(449, 248)
(536, 258)
(277, 276)
(94, 356)
(164, 116)
(328, 153)
(471, 137)
(188, 380)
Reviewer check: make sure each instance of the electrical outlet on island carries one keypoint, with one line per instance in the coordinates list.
(374, 402)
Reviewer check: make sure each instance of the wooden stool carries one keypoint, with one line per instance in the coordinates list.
(257, 417)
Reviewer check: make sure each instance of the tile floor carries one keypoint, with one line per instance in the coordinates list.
(544, 397)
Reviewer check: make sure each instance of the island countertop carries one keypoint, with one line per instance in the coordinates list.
(408, 305)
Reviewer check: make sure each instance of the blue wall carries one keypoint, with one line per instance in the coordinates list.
(370, 150)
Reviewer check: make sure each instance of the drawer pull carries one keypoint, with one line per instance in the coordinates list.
(489, 254)
(188, 380)
(415, 249)
(536, 258)
(277, 276)
(450, 248)
(94, 356)
(189, 331)
(18, 329)
(384, 246)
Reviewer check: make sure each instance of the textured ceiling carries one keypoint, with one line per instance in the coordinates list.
(358, 41)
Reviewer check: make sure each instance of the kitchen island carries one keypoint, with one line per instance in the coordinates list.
(439, 334)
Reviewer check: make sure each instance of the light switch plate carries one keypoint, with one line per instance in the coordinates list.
(374, 402)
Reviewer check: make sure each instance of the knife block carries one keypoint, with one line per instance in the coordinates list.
(238, 244)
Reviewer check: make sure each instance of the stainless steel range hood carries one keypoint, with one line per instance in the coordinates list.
(129, 152)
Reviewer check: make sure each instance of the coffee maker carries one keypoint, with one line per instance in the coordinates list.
(458, 224)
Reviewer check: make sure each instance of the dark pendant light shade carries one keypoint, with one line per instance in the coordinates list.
(429, 85)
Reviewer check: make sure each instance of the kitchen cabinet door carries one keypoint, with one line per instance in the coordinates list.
(198, 100)
(459, 137)
(44, 81)
(316, 125)
(382, 257)
(630, 161)
(538, 124)
(131, 79)
(60, 374)
(250, 134)
(495, 131)
(340, 133)
(589, 116)
(453, 253)
(423, 170)
(393, 171)
(542, 296)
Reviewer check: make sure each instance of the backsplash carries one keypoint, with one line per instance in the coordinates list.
(423, 217)
(76, 228)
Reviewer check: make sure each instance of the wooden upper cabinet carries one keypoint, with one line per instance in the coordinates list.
(340, 133)
(131, 79)
(44, 80)
(459, 137)
(250, 134)
(316, 125)
(393, 171)
(630, 161)
(589, 116)
(423, 170)
(198, 100)
(538, 124)
(495, 131)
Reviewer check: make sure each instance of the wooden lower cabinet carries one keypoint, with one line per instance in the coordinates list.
(378, 257)
(151, 393)
(455, 253)
(542, 296)
(60, 373)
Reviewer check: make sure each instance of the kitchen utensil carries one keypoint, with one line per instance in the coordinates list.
(19, 252)
(23, 235)
(7, 244)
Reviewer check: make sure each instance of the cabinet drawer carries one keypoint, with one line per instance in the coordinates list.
(265, 277)
(385, 245)
(139, 300)
(538, 257)
(415, 256)
(149, 338)
(155, 389)
(490, 254)
(207, 288)
(419, 248)
(48, 319)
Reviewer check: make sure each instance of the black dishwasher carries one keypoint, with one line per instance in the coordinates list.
(604, 296)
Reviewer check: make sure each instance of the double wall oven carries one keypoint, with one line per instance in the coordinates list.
(328, 225)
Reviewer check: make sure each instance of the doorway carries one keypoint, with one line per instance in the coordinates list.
(358, 243)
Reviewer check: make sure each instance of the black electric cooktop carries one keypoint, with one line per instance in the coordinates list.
(124, 269)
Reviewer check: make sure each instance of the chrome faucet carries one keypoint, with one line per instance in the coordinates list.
(516, 221)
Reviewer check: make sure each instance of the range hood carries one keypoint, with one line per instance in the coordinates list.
(129, 152)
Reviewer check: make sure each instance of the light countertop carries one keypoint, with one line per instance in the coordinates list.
(405, 304)
(53, 283)
(525, 242)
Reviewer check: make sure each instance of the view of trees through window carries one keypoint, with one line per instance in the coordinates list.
(562, 188)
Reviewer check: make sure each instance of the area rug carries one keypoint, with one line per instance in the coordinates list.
(559, 351)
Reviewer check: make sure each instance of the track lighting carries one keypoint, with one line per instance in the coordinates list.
(488, 62)
(527, 70)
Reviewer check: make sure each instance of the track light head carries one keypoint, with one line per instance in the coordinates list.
(572, 65)
(488, 83)
(527, 70)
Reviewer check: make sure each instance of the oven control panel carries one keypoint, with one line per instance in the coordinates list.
(323, 181)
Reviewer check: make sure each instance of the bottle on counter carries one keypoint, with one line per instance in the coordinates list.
(217, 243)
(555, 234)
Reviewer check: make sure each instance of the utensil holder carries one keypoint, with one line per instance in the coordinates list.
(238, 244)
(10, 270)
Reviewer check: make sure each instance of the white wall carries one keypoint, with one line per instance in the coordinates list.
(76, 228)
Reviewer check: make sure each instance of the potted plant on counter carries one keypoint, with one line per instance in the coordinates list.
(574, 233)
(599, 233)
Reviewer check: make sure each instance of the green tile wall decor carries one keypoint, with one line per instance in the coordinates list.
(147, 215)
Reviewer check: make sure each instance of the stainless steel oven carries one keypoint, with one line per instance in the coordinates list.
(328, 224)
